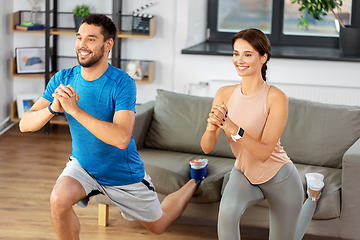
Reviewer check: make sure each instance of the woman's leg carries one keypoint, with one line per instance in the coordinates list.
(314, 186)
(238, 195)
(305, 217)
(284, 193)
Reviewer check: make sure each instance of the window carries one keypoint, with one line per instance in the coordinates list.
(234, 15)
(327, 27)
(279, 20)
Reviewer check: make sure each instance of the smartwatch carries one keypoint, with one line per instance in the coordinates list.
(51, 111)
(240, 134)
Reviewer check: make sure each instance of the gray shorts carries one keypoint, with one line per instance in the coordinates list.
(137, 201)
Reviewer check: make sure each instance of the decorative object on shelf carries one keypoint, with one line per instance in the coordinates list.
(133, 68)
(141, 22)
(28, 26)
(349, 36)
(25, 101)
(33, 4)
(30, 60)
(80, 12)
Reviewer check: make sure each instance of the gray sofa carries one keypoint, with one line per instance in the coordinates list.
(318, 138)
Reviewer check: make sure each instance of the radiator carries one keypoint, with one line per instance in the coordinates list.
(324, 94)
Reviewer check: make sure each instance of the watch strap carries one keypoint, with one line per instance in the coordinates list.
(240, 134)
(51, 111)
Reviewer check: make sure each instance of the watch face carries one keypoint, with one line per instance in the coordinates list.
(241, 132)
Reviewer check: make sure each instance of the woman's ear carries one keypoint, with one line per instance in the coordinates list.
(264, 58)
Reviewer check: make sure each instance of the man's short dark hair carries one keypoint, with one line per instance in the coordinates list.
(108, 28)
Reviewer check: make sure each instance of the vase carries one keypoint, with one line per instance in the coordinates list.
(77, 21)
(33, 15)
(349, 40)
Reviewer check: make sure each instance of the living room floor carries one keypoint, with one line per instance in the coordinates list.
(29, 166)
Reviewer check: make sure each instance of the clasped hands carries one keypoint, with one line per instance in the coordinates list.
(218, 118)
(65, 98)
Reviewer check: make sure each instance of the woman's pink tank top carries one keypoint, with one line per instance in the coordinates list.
(249, 112)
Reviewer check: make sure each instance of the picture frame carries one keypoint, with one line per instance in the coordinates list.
(31, 60)
(25, 101)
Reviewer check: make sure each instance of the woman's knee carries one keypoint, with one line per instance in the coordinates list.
(230, 212)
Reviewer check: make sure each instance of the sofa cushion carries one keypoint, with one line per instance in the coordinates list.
(169, 171)
(179, 121)
(319, 134)
(329, 204)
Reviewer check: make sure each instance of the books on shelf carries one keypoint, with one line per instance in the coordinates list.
(29, 28)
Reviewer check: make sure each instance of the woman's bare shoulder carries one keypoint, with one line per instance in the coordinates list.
(277, 96)
(224, 93)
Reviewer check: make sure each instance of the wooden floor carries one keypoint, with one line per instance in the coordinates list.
(29, 166)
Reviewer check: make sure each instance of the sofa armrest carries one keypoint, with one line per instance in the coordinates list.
(350, 211)
(143, 118)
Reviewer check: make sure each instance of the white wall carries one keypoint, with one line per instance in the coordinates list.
(180, 24)
(5, 55)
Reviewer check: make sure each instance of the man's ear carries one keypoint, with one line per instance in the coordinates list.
(108, 45)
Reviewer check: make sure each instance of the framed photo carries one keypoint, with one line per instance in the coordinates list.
(31, 60)
(25, 101)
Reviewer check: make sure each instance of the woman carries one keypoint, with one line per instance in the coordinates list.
(253, 115)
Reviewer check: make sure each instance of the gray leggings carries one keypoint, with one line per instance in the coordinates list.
(284, 193)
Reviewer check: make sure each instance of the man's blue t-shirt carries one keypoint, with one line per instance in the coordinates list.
(115, 90)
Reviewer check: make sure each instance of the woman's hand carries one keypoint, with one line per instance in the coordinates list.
(219, 118)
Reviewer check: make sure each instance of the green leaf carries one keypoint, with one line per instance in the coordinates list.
(81, 10)
(316, 8)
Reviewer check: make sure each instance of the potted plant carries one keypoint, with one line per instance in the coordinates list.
(80, 12)
(349, 36)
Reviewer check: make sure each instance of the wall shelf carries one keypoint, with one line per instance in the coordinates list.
(13, 71)
(50, 18)
(16, 19)
(147, 67)
(59, 119)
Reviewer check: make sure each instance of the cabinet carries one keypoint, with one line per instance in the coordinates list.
(54, 28)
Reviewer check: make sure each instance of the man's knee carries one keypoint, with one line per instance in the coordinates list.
(65, 194)
(157, 230)
(156, 227)
(58, 201)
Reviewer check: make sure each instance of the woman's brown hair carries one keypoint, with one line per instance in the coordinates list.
(258, 41)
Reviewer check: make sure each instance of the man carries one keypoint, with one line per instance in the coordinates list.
(99, 103)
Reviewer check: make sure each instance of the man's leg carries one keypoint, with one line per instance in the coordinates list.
(66, 192)
(172, 206)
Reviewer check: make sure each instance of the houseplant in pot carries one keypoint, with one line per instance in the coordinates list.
(80, 12)
(349, 36)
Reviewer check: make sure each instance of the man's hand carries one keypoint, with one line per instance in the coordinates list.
(56, 106)
(65, 98)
